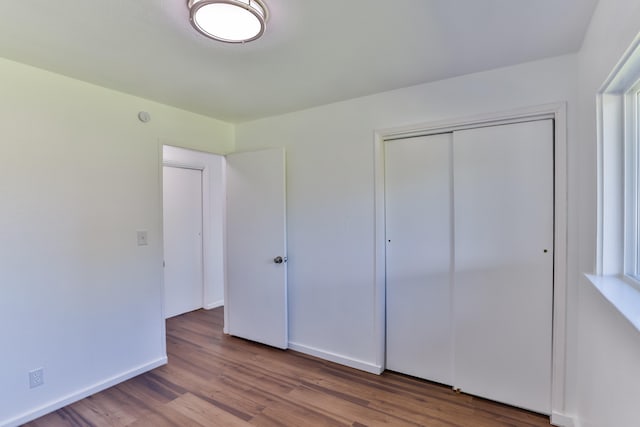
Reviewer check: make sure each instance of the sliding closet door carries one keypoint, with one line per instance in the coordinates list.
(503, 280)
(418, 235)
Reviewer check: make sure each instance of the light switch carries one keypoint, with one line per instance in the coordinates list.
(142, 238)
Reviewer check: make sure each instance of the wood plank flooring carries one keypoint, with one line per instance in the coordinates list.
(216, 380)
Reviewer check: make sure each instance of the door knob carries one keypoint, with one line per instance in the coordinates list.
(278, 260)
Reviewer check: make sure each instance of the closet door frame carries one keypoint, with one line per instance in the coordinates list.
(557, 112)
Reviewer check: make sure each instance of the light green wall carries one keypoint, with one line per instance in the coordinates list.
(79, 175)
(102, 112)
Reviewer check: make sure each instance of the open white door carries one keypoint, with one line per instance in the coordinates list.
(256, 298)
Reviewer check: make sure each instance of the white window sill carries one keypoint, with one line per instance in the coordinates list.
(622, 295)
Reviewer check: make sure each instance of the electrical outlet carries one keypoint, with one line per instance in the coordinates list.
(142, 238)
(36, 378)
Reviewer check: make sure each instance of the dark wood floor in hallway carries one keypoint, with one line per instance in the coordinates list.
(216, 380)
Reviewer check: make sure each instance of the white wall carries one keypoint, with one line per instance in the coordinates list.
(608, 380)
(330, 185)
(79, 175)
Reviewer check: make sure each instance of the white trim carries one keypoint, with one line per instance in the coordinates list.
(610, 244)
(337, 358)
(545, 111)
(223, 189)
(620, 293)
(560, 271)
(160, 207)
(556, 111)
(599, 261)
(562, 420)
(79, 395)
(379, 260)
(619, 80)
(631, 166)
(214, 304)
(182, 165)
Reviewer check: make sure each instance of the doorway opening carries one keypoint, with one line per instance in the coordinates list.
(194, 242)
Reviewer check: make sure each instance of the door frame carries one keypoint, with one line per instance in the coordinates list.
(213, 218)
(555, 111)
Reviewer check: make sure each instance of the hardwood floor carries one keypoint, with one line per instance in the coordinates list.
(216, 380)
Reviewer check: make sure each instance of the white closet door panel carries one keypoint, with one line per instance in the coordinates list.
(418, 233)
(182, 217)
(503, 282)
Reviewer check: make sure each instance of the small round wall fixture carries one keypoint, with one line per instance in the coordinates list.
(230, 21)
(144, 117)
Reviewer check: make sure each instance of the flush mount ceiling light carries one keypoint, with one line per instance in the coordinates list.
(231, 21)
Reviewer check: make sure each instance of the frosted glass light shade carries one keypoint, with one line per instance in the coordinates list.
(231, 21)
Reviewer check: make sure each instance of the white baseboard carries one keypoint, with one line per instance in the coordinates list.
(562, 420)
(214, 304)
(337, 358)
(81, 394)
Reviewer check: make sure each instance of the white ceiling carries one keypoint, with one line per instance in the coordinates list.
(313, 52)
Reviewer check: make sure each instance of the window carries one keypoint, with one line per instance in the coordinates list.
(619, 169)
(632, 198)
(618, 254)
(631, 155)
